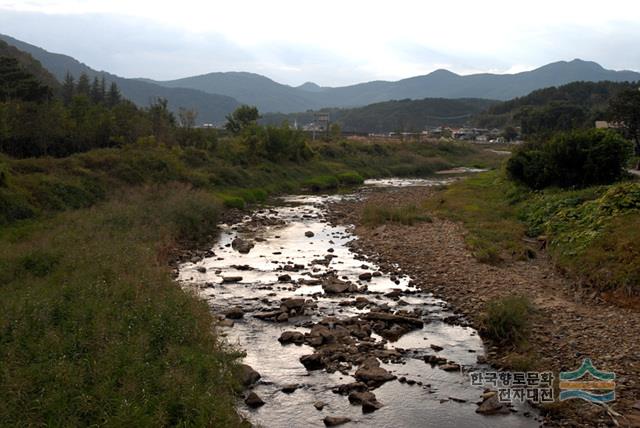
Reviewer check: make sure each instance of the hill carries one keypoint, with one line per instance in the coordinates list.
(391, 116)
(211, 108)
(270, 96)
(576, 104)
(31, 65)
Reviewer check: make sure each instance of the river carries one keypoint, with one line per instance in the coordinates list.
(294, 250)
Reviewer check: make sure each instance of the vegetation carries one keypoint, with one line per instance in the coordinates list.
(93, 329)
(507, 319)
(563, 108)
(624, 110)
(374, 215)
(395, 116)
(590, 233)
(578, 158)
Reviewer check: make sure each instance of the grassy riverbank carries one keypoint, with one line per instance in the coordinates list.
(93, 331)
(591, 233)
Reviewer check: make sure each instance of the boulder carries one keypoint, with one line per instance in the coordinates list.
(332, 421)
(492, 406)
(284, 278)
(359, 397)
(370, 406)
(366, 276)
(248, 376)
(309, 234)
(291, 337)
(253, 400)
(234, 313)
(335, 286)
(290, 388)
(241, 245)
(293, 304)
(450, 367)
(202, 269)
(228, 279)
(312, 361)
(371, 372)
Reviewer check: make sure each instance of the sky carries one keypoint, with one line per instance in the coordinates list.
(329, 42)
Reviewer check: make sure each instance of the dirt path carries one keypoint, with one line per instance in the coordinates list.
(565, 330)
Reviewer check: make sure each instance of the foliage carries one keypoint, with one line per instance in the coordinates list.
(624, 109)
(578, 158)
(393, 116)
(374, 215)
(323, 182)
(578, 104)
(507, 320)
(243, 117)
(350, 178)
(93, 329)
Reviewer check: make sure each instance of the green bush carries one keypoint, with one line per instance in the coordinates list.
(233, 201)
(350, 178)
(574, 159)
(507, 320)
(195, 215)
(323, 182)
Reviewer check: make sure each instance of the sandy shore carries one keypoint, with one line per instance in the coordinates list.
(565, 329)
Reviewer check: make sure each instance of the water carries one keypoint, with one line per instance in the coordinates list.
(279, 237)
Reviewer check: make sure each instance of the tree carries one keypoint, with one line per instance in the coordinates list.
(162, 120)
(187, 117)
(241, 118)
(335, 132)
(84, 87)
(18, 84)
(625, 110)
(114, 97)
(97, 90)
(510, 133)
(68, 88)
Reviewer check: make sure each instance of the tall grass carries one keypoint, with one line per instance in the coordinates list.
(374, 215)
(507, 320)
(94, 332)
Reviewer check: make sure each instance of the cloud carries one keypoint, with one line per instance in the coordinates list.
(335, 42)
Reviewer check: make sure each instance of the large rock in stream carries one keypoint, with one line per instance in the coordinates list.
(372, 374)
(333, 285)
(248, 376)
(242, 245)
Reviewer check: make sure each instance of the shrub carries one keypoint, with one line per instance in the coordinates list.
(374, 215)
(507, 319)
(350, 178)
(323, 182)
(574, 159)
(195, 215)
(233, 201)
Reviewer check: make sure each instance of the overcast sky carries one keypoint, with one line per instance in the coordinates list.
(330, 42)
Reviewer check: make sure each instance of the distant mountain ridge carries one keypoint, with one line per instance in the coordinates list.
(210, 107)
(216, 94)
(270, 96)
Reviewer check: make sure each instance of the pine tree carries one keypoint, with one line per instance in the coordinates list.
(113, 97)
(84, 87)
(68, 88)
(96, 92)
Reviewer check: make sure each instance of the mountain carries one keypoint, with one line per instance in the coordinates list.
(390, 116)
(270, 96)
(31, 65)
(212, 108)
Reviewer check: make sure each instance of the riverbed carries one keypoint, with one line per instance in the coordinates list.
(293, 251)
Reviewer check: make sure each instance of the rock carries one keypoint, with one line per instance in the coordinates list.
(432, 359)
(370, 371)
(450, 367)
(492, 406)
(481, 359)
(370, 406)
(267, 315)
(359, 397)
(291, 337)
(335, 286)
(396, 292)
(283, 317)
(387, 317)
(319, 405)
(347, 388)
(293, 304)
(309, 234)
(242, 246)
(312, 361)
(228, 279)
(332, 421)
(253, 400)
(202, 269)
(366, 276)
(436, 348)
(288, 389)
(234, 313)
(248, 376)
(284, 278)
